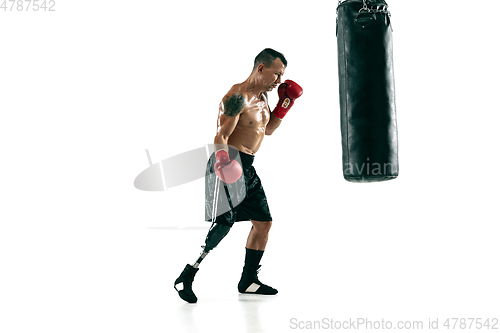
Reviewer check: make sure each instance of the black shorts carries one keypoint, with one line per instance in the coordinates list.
(243, 200)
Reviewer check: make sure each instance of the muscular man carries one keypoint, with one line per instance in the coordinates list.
(233, 190)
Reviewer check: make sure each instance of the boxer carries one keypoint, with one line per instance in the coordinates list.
(233, 191)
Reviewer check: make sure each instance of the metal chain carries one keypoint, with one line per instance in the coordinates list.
(366, 9)
(369, 10)
(374, 11)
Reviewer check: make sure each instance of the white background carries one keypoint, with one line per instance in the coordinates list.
(87, 88)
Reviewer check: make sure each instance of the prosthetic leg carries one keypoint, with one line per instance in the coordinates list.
(216, 233)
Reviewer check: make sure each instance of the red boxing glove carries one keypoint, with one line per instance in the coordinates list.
(288, 92)
(228, 171)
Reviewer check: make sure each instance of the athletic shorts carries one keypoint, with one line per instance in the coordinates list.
(242, 200)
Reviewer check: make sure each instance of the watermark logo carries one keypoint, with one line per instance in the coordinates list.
(354, 324)
(437, 324)
(173, 171)
(370, 169)
(189, 166)
(28, 5)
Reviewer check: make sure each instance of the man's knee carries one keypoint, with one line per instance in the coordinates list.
(262, 226)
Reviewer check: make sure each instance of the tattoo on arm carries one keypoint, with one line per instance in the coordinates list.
(233, 104)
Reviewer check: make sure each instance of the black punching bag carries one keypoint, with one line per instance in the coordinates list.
(366, 85)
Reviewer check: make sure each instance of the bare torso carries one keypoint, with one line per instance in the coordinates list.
(250, 128)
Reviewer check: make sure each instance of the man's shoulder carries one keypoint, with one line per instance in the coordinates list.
(235, 89)
(234, 101)
(235, 93)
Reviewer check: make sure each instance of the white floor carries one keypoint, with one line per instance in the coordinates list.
(413, 250)
(118, 277)
(370, 282)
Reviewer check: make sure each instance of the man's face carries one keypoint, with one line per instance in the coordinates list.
(271, 76)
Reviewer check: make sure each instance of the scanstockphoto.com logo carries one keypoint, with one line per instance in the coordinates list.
(354, 324)
(435, 324)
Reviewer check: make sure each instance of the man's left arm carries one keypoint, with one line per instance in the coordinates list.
(288, 92)
(274, 122)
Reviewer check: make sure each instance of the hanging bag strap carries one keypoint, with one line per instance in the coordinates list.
(368, 14)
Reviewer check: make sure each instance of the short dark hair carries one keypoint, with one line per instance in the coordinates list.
(267, 57)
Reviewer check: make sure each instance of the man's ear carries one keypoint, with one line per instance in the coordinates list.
(260, 68)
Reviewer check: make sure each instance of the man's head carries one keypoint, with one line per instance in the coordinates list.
(270, 66)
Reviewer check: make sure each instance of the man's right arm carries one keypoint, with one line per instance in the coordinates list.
(230, 109)
(229, 115)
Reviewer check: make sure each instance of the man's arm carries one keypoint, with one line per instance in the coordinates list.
(229, 114)
(288, 92)
(274, 122)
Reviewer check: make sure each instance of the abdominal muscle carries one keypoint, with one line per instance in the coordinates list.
(247, 140)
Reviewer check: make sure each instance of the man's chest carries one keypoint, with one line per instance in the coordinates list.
(256, 113)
